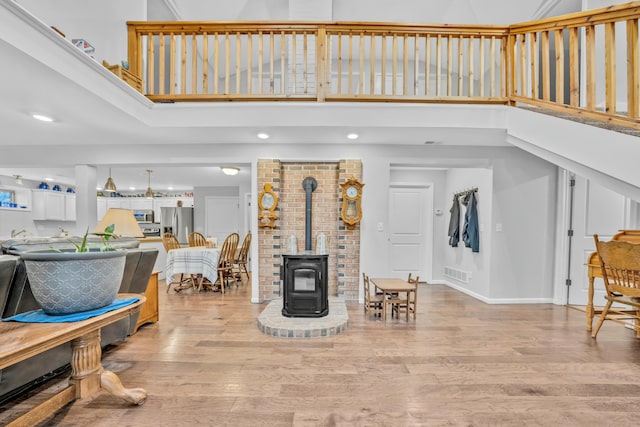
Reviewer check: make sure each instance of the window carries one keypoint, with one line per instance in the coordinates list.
(6, 198)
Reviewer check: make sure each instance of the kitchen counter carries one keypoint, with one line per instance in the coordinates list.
(153, 239)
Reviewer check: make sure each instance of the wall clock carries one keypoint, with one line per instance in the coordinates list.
(351, 211)
(267, 204)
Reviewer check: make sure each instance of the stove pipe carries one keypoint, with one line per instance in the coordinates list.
(309, 185)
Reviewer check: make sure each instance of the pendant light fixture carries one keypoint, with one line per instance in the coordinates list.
(110, 186)
(149, 193)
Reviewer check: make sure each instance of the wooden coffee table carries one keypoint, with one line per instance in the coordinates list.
(20, 341)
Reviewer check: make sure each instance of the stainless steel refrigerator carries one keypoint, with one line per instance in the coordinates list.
(178, 221)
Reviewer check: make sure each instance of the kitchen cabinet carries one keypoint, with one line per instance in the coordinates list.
(141, 204)
(160, 202)
(187, 202)
(118, 202)
(102, 207)
(70, 207)
(49, 205)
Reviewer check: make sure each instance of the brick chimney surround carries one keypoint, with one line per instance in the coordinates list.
(343, 244)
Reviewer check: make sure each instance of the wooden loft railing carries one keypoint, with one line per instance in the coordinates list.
(208, 61)
(567, 63)
(570, 64)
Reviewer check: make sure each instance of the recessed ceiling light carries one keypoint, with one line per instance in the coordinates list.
(169, 188)
(353, 136)
(263, 135)
(41, 117)
(132, 188)
(48, 179)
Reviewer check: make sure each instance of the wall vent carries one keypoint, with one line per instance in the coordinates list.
(457, 274)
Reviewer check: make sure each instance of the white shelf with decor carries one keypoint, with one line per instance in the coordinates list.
(15, 198)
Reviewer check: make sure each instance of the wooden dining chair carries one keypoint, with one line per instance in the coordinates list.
(196, 239)
(170, 242)
(242, 257)
(372, 303)
(226, 259)
(620, 264)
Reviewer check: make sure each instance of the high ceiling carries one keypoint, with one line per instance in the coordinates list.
(102, 121)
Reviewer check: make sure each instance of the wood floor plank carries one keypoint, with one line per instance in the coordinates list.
(461, 362)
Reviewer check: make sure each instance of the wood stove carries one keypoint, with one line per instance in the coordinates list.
(305, 285)
(304, 276)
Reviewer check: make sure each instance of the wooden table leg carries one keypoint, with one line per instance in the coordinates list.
(89, 377)
(384, 305)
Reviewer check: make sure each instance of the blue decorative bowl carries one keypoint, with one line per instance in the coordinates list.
(43, 186)
(70, 190)
(57, 188)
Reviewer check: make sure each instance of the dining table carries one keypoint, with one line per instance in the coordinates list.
(391, 287)
(200, 261)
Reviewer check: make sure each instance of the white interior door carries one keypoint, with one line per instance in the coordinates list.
(222, 217)
(410, 231)
(597, 210)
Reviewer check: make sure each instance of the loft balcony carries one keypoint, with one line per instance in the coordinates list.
(583, 65)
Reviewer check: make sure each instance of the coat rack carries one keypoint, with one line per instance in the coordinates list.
(465, 192)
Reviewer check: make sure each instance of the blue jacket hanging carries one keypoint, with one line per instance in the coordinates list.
(454, 223)
(470, 230)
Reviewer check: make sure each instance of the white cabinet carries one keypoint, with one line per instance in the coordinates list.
(187, 202)
(141, 204)
(70, 207)
(102, 207)
(118, 202)
(161, 202)
(49, 205)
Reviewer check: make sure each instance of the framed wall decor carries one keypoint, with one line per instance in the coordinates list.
(351, 212)
(267, 204)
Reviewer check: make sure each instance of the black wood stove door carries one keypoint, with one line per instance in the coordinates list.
(305, 286)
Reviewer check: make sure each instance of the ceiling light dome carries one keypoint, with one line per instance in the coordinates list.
(41, 117)
(230, 170)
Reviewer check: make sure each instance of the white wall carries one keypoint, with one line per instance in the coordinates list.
(492, 12)
(199, 202)
(524, 204)
(101, 23)
(461, 257)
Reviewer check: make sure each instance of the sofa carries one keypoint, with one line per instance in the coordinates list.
(16, 298)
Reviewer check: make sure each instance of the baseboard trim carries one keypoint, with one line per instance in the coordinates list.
(495, 300)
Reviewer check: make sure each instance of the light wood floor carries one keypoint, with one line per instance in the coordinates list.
(462, 362)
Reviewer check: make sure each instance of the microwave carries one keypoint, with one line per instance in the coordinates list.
(145, 216)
